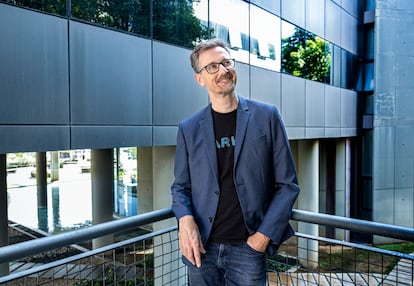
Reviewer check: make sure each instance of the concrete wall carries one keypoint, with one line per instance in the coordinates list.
(393, 157)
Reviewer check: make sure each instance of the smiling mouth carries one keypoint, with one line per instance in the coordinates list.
(226, 78)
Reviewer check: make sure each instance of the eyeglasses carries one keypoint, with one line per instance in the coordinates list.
(214, 67)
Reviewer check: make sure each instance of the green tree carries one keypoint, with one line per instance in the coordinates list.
(49, 6)
(174, 22)
(316, 60)
(127, 15)
(306, 55)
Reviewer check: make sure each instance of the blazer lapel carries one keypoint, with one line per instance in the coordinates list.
(207, 131)
(243, 115)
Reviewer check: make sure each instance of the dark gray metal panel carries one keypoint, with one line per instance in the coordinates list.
(295, 133)
(315, 17)
(349, 30)
(100, 137)
(165, 135)
(33, 68)
(315, 104)
(176, 93)
(314, 133)
(265, 86)
(110, 77)
(348, 132)
(293, 101)
(354, 7)
(272, 6)
(294, 11)
(332, 132)
(333, 23)
(33, 138)
(243, 80)
(333, 107)
(348, 108)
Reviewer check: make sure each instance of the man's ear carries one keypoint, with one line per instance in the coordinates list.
(199, 79)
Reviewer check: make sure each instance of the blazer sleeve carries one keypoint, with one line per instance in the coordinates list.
(275, 223)
(181, 187)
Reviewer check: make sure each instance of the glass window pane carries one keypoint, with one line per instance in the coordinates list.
(221, 15)
(335, 66)
(131, 16)
(292, 41)
(369, 77)
(348, 70)
(316, 62)
(265, 39)
(328, 57)
(272, 6)
(57, 7)
(369, 43)
(305, 54)
(176, 22)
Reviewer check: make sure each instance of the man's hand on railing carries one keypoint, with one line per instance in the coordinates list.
(191, 245)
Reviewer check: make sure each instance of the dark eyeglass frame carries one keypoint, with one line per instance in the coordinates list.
(213, 68)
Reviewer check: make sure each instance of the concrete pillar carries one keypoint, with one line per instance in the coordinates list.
(41, 179)
(54, 166)
(145, 180)
(102, 175)
(41, 182)
(4, 228)
(56, 208)
(308, 175)
(340, 184)
(166, 250)
(347, 184)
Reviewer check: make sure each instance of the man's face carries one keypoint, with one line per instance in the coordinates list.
(223, 82)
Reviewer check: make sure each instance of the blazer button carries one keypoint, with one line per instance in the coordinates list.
(210, 219)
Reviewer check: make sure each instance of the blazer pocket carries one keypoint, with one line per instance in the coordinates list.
(255, 140)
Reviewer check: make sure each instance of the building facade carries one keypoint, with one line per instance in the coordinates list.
(96, 75)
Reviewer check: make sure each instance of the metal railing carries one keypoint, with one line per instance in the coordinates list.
(154, 259)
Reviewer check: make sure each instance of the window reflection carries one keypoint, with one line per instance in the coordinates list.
(49, 6)
(336, 66)
(348, 70)
(176, 22)
(369, 76)
(304, 54)
(265, 39)
(131, 16)
(256, 36)
(233, 30)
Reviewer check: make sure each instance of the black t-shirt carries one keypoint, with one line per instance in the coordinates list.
(228, 225)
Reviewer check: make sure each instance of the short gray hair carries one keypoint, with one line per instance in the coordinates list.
(206, 45)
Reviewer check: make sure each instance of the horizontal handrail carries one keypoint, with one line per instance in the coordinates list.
(24, 249)
(27, 248)
(77, 257)
(358, 225)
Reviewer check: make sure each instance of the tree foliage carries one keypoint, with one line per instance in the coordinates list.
(49, 6)
(305, 55)
(172, 21)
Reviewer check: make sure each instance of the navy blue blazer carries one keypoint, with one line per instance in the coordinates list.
(264, 171)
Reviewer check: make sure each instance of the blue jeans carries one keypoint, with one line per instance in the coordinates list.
(229, 265)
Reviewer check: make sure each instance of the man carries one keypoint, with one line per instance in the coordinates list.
(235, 180)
